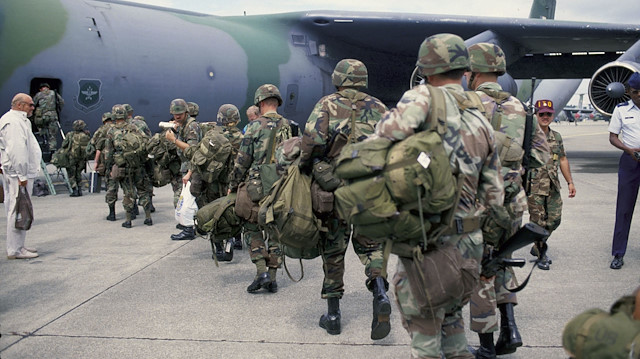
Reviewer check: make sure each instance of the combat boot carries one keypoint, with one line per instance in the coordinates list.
(260, 281)
(79, 191)
(486, 349)
(151, 207)
(112, 213)
(136, 211)
(381, 325)
(509, 339)
(127, 223)
(74, 192)
(147, 219)
(187, 234)
(331, 321)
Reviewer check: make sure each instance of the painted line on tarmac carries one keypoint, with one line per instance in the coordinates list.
(586, 134)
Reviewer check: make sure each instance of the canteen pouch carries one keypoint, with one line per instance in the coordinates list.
(254, 189)
(246, 208)
(323, 175)
(364, 201)
(441, 277)
(118, 173)
(321, 200)
(362, 159)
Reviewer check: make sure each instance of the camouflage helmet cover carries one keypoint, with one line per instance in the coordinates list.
(106, 117)
(128, 108)
(228, 114)
(265, 91)
(78, 125)
(442, 53)
(178, 106)
(118, 112)
(193, 108)
(350, 73)
(486, 57)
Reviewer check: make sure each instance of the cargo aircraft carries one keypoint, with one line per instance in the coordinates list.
(97, 53)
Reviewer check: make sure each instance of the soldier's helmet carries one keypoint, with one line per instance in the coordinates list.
(265, 91)
(178, 106)
(350, 73)
(128, 108)
(486, 57)
(113, 108)
(193, 108)
(78, 125)
(44, 84)
(106, 117)
(119, 112)
(228, 114)
(442, 53)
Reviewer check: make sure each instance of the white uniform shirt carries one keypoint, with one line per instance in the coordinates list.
(625, 121)
(19, 149)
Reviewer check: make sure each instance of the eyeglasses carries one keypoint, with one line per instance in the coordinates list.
(31, 104)
(545, 114)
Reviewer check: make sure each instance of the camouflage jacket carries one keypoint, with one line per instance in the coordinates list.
(234, 135)
(68, 142)
(469, 143)
(140, 123)
(99, 137)
(546, 177)
(115, 133)
(331, 116)
(513, 119)
(191, 134)
(255, 146)
(45, 102)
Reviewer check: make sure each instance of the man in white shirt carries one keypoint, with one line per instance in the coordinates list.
(625, 121)
(20, 155)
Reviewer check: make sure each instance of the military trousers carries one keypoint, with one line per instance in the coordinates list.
(486, 298)
(546, 210)
(333, 247)
(111, 197)
(74, 171)
(260, 249)
(134, 186)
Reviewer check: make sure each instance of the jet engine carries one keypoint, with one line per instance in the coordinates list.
(607, 86)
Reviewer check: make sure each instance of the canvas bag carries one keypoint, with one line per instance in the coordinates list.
(211, 156)
(24, 210)
(78, 148)
(219, 218)
(186, 207)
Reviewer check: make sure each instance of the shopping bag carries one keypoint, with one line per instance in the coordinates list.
(187, 207)
(24, 210)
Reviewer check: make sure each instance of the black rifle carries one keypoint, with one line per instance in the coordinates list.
(500, 258)
(58, 109)
(528, 138)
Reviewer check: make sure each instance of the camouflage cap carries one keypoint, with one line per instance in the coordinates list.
(266, 91)
(442, 53)
(228, 114)
(119, 112)
(486, 57)
(44, 84)
(350, 73)
(139, 118)
(78, 125)
(106, 117)
(113, 108)
(178, 106)
(127, 108)
(193, 108)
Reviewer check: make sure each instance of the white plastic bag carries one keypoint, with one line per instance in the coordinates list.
(187, 207)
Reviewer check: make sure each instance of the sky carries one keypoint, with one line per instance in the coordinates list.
(619, 12)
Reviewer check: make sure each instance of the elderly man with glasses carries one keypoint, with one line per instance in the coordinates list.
(20, 155)
(624, 133)
(545, 203)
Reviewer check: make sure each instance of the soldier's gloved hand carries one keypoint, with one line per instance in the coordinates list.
(490, 266)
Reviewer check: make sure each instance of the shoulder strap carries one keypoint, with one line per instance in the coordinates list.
(272, 140)
(358, 97)
(437, 116)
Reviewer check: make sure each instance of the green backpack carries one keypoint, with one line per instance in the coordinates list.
(130, 149)
(219, 219)
(211, 157)
(392, 189)
(78, 147)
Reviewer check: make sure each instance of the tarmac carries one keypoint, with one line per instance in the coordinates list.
(102, 291)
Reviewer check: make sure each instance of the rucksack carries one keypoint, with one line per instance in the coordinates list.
(403, 190)
(130, 149)
(40, 188)
(211, 157)
(218, 218)
(78, 147)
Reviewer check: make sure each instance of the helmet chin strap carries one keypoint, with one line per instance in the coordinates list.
(470, 81)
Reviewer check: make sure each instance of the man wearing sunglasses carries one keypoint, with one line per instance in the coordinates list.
(625, 121)
(545, 203)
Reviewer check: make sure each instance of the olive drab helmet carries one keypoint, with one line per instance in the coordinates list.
(228, 114)
(178, 106)
(265, 91)
(193, 108)
(128, 108)
(442, 53)
(78, 125)
(486, 57)
(106, 117)
(118, 112)
(350, 73)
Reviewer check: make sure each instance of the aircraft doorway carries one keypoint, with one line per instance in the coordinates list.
(54, 84)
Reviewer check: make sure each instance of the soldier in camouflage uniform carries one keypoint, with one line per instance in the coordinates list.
(331, 116)
(48, 105)
(545, 202)
(76, 165)
(186, 137)
(141, 124)
(133, 177)
(508, 117)
(194, 109)
(262, 137)
(469, 141)
(97, 141)
(111, 197)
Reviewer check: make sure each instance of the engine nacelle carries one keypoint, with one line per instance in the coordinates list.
(607, 86)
